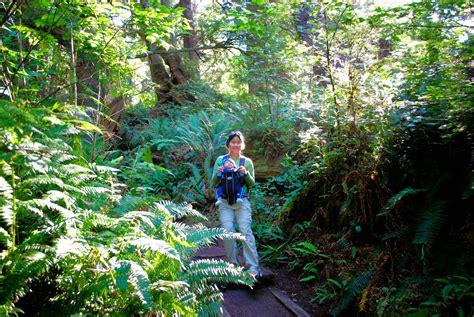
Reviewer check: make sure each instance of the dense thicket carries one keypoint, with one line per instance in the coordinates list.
(359, 120)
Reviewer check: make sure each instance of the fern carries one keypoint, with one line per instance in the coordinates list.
(5, 238)
(145, 217)
(5, 189)
(209, 299)
(355, 287)
(166, 286)
(91, 220)
(201, 236)
(22, 264)
(137, 277)
(6, 194)
(43, 181)
(75, 247)
(204, 272)
(178, 211)
(395, 199)
(154, 245)
(103, 169)
(46, 204)
(431, 220)
(130, 202)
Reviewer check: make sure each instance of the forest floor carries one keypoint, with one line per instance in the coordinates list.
(298, 292)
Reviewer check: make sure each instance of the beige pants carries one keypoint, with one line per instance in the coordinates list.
(242, 214)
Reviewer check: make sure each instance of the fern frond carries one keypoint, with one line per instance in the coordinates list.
(95, 190)
(55, 195)
(178, 210)
(130, 202)
(6, 211)
(47, 204)
(78, 179)
(395, 199)
(143, 216)
(431, 220)
(354, 288)
(103, 169)
(44, 180)
(7, 168)
(73, 169)
(5, 238)
(5, 189)
(394, 234)
(24, 263)
(62, 157)
(130, 272)
(344, 243)
(195, 170)
(166, 286)
(209, 299)
(154, 245)
(204, 272)
(92, 219)
(67, 246)
(37, 165)
(201, 236)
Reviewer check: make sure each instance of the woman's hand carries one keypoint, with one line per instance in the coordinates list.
(220, 169)
(242, 170)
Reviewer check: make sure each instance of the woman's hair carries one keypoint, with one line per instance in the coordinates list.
(234, 134)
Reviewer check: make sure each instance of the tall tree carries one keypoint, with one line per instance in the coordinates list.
(166, 67)
(189, 40)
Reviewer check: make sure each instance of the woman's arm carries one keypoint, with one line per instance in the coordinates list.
(249, 178)
(218, 163)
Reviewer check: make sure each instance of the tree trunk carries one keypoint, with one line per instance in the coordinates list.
(167, 82)
(256, 81)
(189, 41)
(305, 28)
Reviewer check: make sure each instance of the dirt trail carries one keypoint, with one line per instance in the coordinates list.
(263, 300)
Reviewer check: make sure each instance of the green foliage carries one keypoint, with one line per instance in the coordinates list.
(196, 140)
(395, 199)
(353, 289)
(456, 294)
(430, 224)
(331, 290)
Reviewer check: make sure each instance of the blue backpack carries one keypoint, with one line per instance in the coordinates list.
(232, 182)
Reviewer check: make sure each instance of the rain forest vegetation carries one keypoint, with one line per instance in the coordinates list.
(358, 115)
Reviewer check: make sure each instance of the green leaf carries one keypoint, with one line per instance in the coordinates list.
(353, 252)
(446, 291)
(308, 278)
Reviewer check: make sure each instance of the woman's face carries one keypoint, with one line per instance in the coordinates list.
(235, 145)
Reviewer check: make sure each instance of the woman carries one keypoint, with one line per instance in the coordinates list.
(241, 212)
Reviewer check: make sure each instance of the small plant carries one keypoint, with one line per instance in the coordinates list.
(331, 289)
(457, 294)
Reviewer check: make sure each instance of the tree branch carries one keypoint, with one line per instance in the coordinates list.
(441, 26)
(185, 50)
(9, 12)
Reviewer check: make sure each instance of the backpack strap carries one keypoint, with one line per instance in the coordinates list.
(242, 163)
(225, 158)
